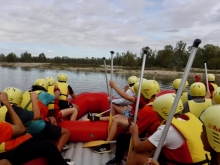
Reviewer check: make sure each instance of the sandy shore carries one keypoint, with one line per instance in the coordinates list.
(162, 74)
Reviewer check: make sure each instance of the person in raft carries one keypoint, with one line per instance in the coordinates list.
(65, 90)
(147, 123)
(199, 101)
(120, 110)
(185, 95)
(211, 83)
(53, 107)
(33, 126)
(181, 145)
(148, 91)
(120, 105)
(16, 147)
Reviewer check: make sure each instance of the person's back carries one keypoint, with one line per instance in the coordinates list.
(199, 102)
(179, 144)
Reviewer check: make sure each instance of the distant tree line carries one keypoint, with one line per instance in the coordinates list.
(169, 57)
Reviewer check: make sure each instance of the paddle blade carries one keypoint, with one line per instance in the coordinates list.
(94, 143)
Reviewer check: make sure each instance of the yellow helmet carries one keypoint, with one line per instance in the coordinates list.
(62, 77)
(132, 80)
(138, 79)
(211, 77)
(210, 118)
(41, 82)
(51, 81)
(216, 96)
(150, 88)
(164, 103)
(135, 87)
(197, 89)
(176, 84)
(14, 95)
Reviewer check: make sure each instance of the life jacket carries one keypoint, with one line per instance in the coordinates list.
(132, 88)
(64, 92)
(197, 108)
(54, 104)
(215, 86)
(27, 98)
(10, 144)
(184, 97)
(191, 151)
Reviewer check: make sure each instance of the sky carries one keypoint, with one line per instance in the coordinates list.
(93, 28)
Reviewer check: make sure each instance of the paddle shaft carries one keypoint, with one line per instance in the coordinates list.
(206, 76)
(138, 97)
(27, 104)
(139, 87)
(111, 91)
(106, 75)
(177, 98)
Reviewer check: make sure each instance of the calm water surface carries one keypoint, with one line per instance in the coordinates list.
(81, 81)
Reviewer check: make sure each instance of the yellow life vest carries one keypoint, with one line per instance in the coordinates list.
(184, 97)
(54, 104)
(215, 86)
(197, 108)
(12, 143)
(191, 130)
(64, 92)
(26, 99)
(132, 88)
(3, 111)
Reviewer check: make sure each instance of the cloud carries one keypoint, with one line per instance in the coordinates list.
(103, 25)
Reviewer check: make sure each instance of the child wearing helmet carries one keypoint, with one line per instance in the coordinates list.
(18, 147)
(181, 145)
(210, 132)
(211, 83)
(147, 124)
(53, 107)
(129, 90)
(185, 95)
(198, 102)
(149, 90)
(65, 90)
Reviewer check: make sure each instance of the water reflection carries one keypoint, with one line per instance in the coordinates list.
(26, 68)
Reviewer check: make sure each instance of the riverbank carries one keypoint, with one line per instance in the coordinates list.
(152, 73)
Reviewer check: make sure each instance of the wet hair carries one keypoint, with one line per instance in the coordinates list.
(37, 87)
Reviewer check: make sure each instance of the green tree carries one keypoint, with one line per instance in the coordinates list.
(26, 57)
(3, 58)
(11, 57)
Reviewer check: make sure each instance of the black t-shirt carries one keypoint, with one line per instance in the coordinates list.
(25, 115)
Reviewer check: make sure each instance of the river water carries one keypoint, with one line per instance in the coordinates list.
(80, 81)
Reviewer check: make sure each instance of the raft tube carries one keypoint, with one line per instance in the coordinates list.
(84, 131)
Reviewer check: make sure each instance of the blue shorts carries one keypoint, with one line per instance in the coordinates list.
(127, 113)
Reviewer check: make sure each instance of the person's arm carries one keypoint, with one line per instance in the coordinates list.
(17, 126)
(121, 92)
(71, 92)
(138, 145)
(35, 107)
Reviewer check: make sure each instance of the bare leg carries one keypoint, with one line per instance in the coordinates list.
(65, 134)
(117, 120)
(70, 111)
(4, 162)
(116, 109)
(137, 158)
(75, 106)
